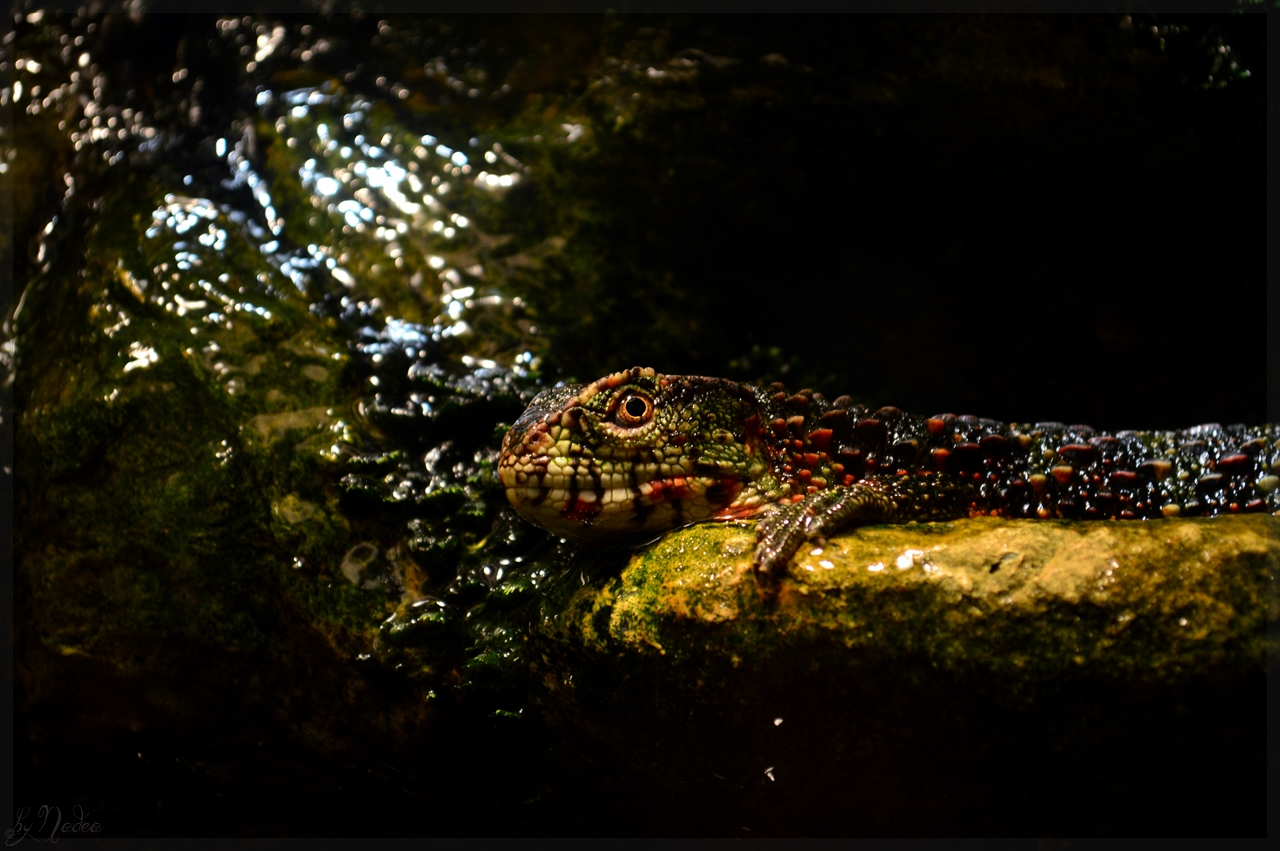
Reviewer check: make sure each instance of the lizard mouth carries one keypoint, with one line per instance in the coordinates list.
(580, 505)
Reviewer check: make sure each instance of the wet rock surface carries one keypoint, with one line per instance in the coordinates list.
(986, 675)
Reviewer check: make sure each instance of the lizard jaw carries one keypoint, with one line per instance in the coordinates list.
(587, 504)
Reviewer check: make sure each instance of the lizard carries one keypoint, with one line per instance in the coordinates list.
(637, 453)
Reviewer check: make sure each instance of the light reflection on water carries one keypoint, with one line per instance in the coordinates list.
(313, 200)
(364, 191)
(387, 184)
(379, 183)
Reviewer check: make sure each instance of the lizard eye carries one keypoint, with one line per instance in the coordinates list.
(634, 410)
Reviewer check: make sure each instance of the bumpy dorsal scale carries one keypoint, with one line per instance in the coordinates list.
(637, 452)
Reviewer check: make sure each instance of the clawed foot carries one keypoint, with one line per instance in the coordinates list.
(785, 528)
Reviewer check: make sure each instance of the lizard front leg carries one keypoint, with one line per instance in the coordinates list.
(783, 529)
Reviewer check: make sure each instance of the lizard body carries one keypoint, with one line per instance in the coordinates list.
(637, 452)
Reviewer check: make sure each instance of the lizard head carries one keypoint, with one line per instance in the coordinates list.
(635, 453)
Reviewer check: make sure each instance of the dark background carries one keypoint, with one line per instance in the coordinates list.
(1026, 218)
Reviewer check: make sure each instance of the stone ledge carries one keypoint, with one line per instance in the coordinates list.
(1060, 664)
(1164, 594)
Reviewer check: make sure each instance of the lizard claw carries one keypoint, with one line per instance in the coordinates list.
(784, 529)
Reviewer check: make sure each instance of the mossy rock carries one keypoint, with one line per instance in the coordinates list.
(1004, 676)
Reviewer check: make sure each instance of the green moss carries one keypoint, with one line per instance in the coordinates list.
(1019, 600)
(159, 442)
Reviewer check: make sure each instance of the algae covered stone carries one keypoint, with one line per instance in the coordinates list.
(1029, 661)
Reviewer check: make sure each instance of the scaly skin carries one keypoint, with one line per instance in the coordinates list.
(637, 453)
